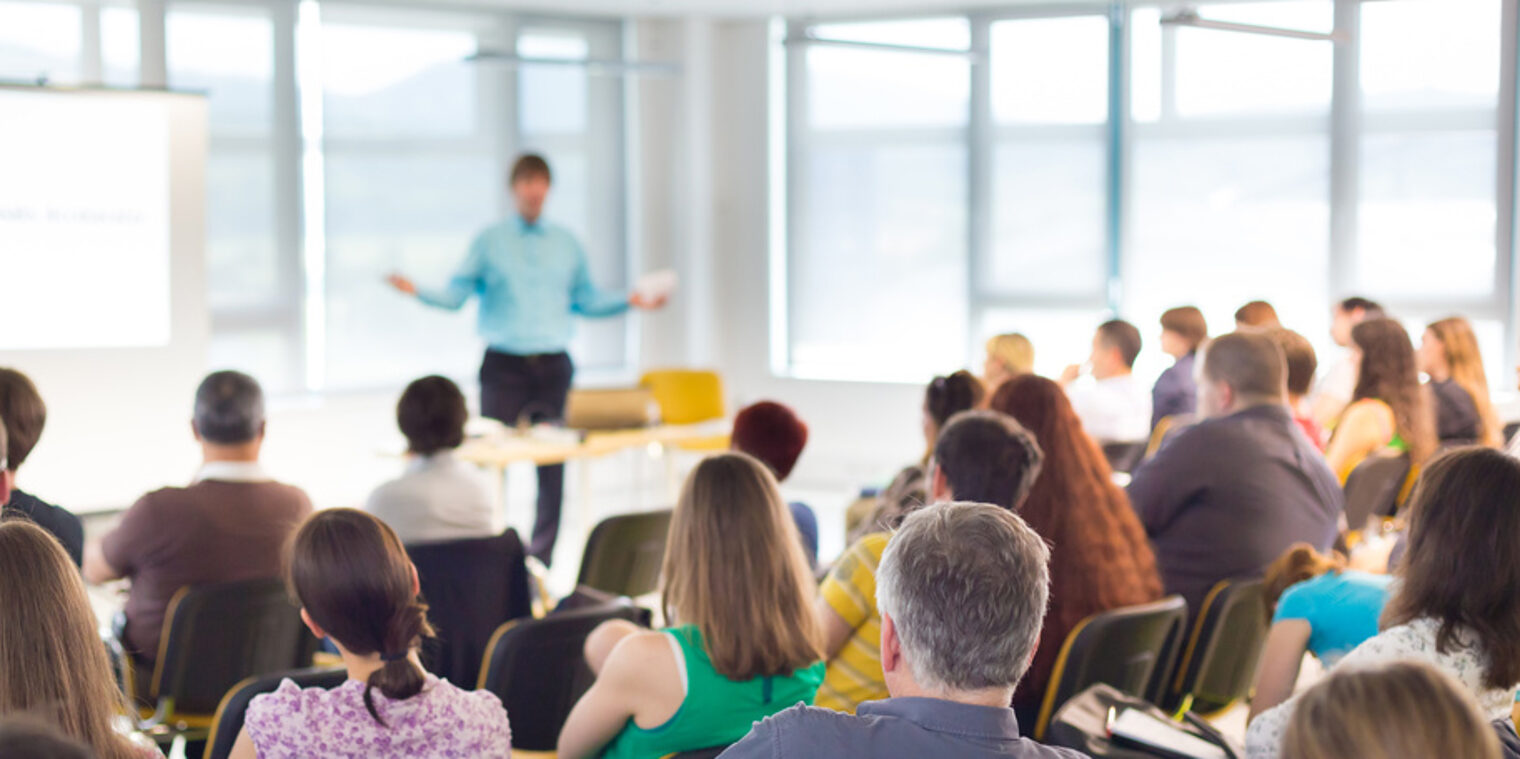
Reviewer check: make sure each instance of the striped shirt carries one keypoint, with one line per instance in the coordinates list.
(854, 674)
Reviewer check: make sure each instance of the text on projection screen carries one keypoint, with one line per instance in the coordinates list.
(84, 221)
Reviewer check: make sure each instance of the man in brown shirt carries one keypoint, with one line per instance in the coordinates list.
(230, 524)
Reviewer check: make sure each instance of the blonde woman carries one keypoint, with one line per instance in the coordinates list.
(53, 666)
(1008, 356)
(1449, 356)
(744, 645)
(1401, 710)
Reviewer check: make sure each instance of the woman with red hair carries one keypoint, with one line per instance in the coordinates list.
(773, 434)
(1100, 558)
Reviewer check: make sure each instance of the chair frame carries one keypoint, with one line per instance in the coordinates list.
(1192, 658)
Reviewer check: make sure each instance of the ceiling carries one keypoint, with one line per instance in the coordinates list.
(755, 8)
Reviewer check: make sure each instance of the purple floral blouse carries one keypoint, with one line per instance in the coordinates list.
(442, 721)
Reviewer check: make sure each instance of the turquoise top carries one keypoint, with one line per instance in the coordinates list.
(1342, 609)
(717, 711)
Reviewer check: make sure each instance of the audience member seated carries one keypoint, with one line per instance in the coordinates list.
(1318, 606)
(1116, 407)
(744, 644)
(1465, 414)
(438, 497)
(1401, 710)
(950, 682)
(1301, 367)
(24, 415)
(980, 456)
(1334, 390)
(1100, 558)
(1008, 356)
(56, 668)
(27, 738)
(358, 590)
(1389, 408)
(231, 524)
(1454, 605)
(1257, 315)
(773, 434)
(1227, 496)
(1183, 330)
(945, 397)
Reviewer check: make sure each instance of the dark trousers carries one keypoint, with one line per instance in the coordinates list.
(531, 389)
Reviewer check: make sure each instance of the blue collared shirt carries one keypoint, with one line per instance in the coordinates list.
(906, 728)
(532, 280)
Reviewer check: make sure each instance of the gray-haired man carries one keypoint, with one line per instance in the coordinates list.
(962, 589)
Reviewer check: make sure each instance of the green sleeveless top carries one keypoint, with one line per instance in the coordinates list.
(717, 711)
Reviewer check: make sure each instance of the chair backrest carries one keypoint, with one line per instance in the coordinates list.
(471, 587)
(1124, 457)
(686, 396)
(1166, 428)
(229, 714)
(216, 635)
(1372, 489)
(537, 667)
(624, 554)
(1219, 664)
(1123, 648)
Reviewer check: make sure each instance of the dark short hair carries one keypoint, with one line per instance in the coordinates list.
(1120, 334)
(1188, 323)
(432, 414)
(1371, 308)
(1249, 362)
(987, 457)
(772, 433)
(948, 396)
(27, 737)
(24, 412)
(229, 408)
(1299, 354)
(527, 166)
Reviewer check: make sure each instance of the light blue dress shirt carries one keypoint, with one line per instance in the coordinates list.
(532, 280)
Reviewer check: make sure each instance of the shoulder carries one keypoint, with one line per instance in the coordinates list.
(795, 731)
(289, 705)
(638, 657)
(1411, 639)
(1300, 600)
(469, 705)
(861, 558)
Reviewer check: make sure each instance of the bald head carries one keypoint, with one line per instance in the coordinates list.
(1241, 370)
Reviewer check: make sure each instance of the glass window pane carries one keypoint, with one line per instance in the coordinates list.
(1060, 337)
(231, 57)
(1049, 211)
(863, 89)
(39, 42)
(1430, 54)
(119, 46)
(1145, 64)
(551, 98)
(1024, 53)
(242, 257)
(941, 33)
(1425, 194)
(265, 353)
(370, 91)
(1221, 72)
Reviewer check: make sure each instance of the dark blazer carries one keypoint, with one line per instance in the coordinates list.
(64, 526)
(1175, 392)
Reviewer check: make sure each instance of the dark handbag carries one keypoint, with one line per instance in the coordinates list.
(1082, 724)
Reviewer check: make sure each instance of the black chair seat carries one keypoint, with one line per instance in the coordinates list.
(1373, 488)
(471, 588)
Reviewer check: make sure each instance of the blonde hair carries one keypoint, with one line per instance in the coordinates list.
(53, 665)
(735, 569)
(1402, 710)
(1013, 351)
(1460, 347)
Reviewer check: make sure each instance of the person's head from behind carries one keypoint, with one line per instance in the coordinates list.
(1114, 349)
(1183, 330)
(1302, 363)
(432, 415)
(529, 181)
(772, 433)
(1398, 710)
(948, 396)
(1386, 371)
(1449, 351)
(1300, 563)
(1008, 356)
(1347, 314)
(229, 416)
(734, 568)
(24, 413)
(1241, 370)
(962, 590)
(56, 668)
(1461, 567)
(1258, 314)
(1041, 407)
(986, 457)
(358, 589)
(31, 738)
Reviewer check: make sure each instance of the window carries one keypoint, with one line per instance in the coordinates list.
(39, 41)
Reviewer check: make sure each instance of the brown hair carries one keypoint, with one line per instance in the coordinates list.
(1388, 373)
(735, 569)
(52, 663)
(1249, 362)
(1188, 323)
(987, 457)
(1461, 348)
(1258, 313)
(24, 413)
(1300, 358)
(432, 415)
(352, 576)
(527, 166)
(1297, 564)
(948, 396)
(1461, 567)
(1398, 710)
(1123, 336)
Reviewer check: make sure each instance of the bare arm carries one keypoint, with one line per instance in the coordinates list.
(836, 631)
(601, 642)
(243, 748)
(638, 681)
(1281, 659)
(1365, 428)
(96, 569)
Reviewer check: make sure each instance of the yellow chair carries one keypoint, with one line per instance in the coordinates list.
(689, 396)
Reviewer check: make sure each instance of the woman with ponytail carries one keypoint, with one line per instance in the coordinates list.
(358, 589)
